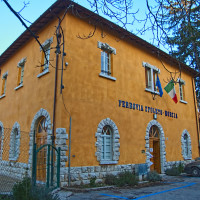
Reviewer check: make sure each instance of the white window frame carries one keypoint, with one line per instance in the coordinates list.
(114, 151)
(150, 79)
(106, 153)
(47, 47)
(186, 145)
(21, 64)
(182, 91)
(14, 142)
(106, 60)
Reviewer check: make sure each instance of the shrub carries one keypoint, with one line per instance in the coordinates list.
(181, 167)
(92, 182)
(126, 178)
(174, 171)
(24, 190)
(110, 179)
(153, 176)
(6, 197)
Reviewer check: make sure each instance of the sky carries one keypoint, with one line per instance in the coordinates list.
(11, 27)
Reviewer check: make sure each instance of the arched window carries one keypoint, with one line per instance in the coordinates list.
(41, 132)
(186, 145)
(154, 132)
(107, 142)
(15, 136)
(14, 142)
(106, 150)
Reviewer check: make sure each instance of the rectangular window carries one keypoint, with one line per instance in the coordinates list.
(106, 63)
(182, 90)
(45, 59)
(20, 74)
(151, 73)
(106, 60)
(4, 82)
(106, 153)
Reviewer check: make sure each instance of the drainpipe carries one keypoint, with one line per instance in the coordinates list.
(197, 117)
(58, 36)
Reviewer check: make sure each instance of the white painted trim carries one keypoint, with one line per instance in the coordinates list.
(5, 75)
(2, 96)
(182, 101)
(145, 64)
(108, 77)
(48, 41)
(107, 162)
(43, 73)
(19, 86)
(21, 62)
(152, 91)
(105, 46)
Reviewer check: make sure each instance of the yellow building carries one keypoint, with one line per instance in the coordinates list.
(109, 90)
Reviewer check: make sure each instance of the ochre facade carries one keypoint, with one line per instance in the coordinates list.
(89, 98)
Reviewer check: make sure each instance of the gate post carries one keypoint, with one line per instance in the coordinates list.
(34, 160)
(34, 165)
(48, 162)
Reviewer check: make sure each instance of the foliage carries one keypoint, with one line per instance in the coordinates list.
(153, 176)
(6, 197)
(175, 171)
(123, 179)
(110, 179)
(181, 167)
(92, 182)
(126, 179)
(24, 190)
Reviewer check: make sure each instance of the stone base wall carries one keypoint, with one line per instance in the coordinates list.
(79, 175)
(14, 169)
(169, 165)
(82, 175)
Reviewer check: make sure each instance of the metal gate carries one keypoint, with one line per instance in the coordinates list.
(46, 169)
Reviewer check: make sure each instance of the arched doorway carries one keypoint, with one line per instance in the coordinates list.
(155, 140)
(154, 148)
(41, 139)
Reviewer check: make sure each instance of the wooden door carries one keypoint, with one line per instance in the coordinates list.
(41, 139)
(154, 146)
(156, 155)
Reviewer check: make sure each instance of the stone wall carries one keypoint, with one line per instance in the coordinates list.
(14, 169)
(82, 175)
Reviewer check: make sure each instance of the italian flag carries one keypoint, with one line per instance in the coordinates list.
(169, 88)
